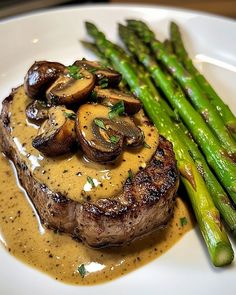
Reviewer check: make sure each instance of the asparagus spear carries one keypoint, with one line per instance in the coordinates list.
(225, 112)
(92, 47)
(168, 46)
(219, 247)
(189, 84)
(216, 156)
(218, 194)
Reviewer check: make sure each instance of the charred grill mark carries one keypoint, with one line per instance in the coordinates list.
(6, 122)
(158, 163)
(152, 197)
(143, 178)
(60, 199)
(160, 152)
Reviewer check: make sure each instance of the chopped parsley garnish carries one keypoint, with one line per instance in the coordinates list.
(146, 145)
(90, 181)
(42, 103)
(130, 174)
(117, 110)
(94, 96)
(74, 72)
(92, 70)
(71, 116)
(54, 100)
(82, 270)
(183, 221)
(100, 124)
(114, 138)
(103, 83)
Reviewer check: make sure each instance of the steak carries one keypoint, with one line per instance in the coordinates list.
(146, 202)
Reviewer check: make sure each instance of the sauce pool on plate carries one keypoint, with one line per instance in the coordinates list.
(68, 260)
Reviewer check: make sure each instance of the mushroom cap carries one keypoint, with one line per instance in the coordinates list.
(40, 76)
(67, 90)
(112, 77)
(56, 136)
(101, 138)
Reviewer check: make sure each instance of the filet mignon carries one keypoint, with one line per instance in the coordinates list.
(145, 203)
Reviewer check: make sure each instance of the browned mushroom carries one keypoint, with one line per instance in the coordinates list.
(101, 138)
(107, 77)
(37, 111)
(111, 97)
(67, 89)
(56, 136)
(124, 125)
(40, 76)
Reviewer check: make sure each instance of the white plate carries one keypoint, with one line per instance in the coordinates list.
(54, 35)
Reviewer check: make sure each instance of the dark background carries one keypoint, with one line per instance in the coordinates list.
(221, 7)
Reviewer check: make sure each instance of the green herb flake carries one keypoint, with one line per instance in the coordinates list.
(71, 116)
(100, 124)
(117, 110)
(74, 72)
(130, 174)
(147, 146)
(114, 139)
(82, 270)
(54, 101)
(103, 83)
(94, 96)
(92, 70)
(42, 103)
(183, 221)
(90, 181)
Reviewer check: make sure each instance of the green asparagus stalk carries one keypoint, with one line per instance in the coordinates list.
(218, 194)
(215, 155)
(189, 84)
(219, 247)
(225, 112)
(93, 48)
(168, 46)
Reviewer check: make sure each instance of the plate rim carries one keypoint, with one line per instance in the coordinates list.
(102, 6)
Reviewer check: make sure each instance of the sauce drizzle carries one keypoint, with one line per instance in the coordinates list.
(67, 260)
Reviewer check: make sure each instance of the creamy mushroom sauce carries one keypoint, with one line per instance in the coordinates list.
(61, 174)
(56, 254)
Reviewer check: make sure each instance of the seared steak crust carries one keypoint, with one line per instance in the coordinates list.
(145, 204)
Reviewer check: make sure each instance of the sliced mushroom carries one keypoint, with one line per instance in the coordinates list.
(111, 97)
(124, 125)
(103, 74)
(68, 90)
(40, 76)
(57, 135)
(94, 140)
(101, 138)
(37, 111)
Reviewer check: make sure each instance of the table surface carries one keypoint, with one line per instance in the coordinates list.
(220, 7)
